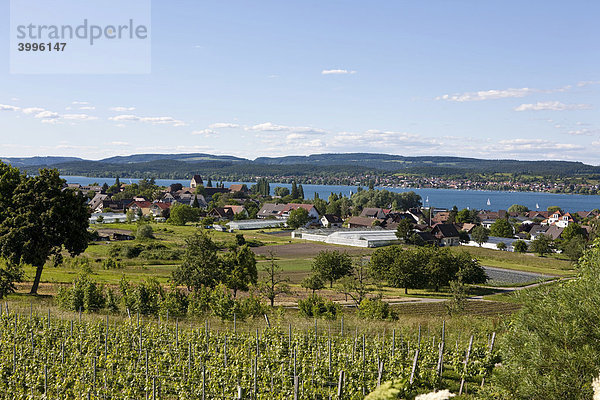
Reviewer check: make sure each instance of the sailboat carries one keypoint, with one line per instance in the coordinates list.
(537, 206)
(427, 200)
(489, 203)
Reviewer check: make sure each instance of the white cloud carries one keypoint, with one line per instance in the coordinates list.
(78, 117)
(205, 132)
(337, 72)
(117, 143)
(587, 83)
(151, 120)
(6, 107)
(47, 115)
(32, 110)
(552, 106)
(271, 127)
(87, 108)
(488, 95)
(526, 145)
(122, 109)
(223, 125)
(82, 103)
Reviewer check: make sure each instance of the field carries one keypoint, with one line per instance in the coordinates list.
(43, 355)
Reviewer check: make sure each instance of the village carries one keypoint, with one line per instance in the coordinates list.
(239, 208)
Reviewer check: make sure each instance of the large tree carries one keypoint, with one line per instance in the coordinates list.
(501, 228)
(480, 235)
(332, 265)
(40, 219)
(239, 267)
(273, 283)
(201, 264)
(298, 218)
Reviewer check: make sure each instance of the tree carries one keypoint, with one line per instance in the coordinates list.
(201, 265)
(332, 265)
(470, 270)
(554, 209)
(542, 245)
(313, 282)
(209, 183)
(273, 283)
(480, 235)
(295, 192)
(552, 340)
(501, 228)
(520, 246)
(300, 192)
(574, 247)
(40, 219)
(441, 268)
(181, 214)
(196, 203)
(404, 230)
(571, 231)
(282, 191)
(9, 275)
(399, 267)
(518, 209)
(501, 246)
(359, 283)
(298, 218)
(239, 267)
(463, 236)
(144, 231)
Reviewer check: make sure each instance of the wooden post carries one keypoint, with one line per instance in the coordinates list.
(491, 350)
(45, 381)
(296, 386)
(462, 381)
(414, 366)
(379, 373)
(340, 388)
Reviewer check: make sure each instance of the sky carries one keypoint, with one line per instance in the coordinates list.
(486, 79)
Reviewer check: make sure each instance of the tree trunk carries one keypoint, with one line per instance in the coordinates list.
(36, 281)
(272, 302)
(405, 290)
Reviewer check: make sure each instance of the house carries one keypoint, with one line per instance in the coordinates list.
(158, 209)
(587, 214)
(237, 210)
(446, 234)
(467, 227)
(96, 204)
(116, 206)
(374, 213)
(271, 210)
(331, 221)
(282, 211)
(537, 230)
(221, 213)
(440, 217)
(554, 231)
(140, 206)
(238, 188)
(196, 181)
(540, 215)
(363, 222)
(427, 237)
(559, 219)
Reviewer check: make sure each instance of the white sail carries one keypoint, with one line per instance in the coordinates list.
(537, 206)
(489, 203)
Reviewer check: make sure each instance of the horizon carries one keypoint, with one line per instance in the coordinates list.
(2, 158)
(469, 79)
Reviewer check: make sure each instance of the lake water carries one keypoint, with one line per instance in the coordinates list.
(442, 198)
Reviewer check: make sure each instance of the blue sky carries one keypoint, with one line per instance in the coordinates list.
(493, 79)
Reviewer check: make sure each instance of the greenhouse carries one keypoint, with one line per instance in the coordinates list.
(256, 224)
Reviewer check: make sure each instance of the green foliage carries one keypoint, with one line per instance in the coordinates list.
(223, 305)
(199, 302)
(404, 230)
(480, 235)
(376, 309)
(553, 343)
(144, 232)
(111, 263)
(84, 294)
(318, 307)
(146, 297)
(501, 246)
(501, 228)
(201, 265)
(332, 265)
(520, 246)
(39, 218)
(282, 191)
(9, 275)
(392, 390)
(384, 198)
(181, 214)
(313, 282)
(175, 303)
(273, 283)
(518, 209)
(541, 245)
(298, 218)
(239, 269)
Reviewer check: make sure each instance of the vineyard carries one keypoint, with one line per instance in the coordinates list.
(44, 356)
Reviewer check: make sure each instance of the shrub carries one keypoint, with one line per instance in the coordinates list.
(111, 263)
(84, 295)
(144, 232)
(376, 309)
(175, 302)
(252, 306)
(147, 297)
(223, 305)
(126, 251)
(9, 274)
(199, 302)
(319, 307)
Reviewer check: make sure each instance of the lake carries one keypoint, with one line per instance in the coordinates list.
(442, 198)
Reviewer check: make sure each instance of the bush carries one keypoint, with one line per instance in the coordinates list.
(144, 232)
(223, 305)
(111, 263)
(252, 306)
(83, 295)
(318, 307)
(147, 297)
(126, 251)
(376, 309)
(175, 303)
(9, 274)
(199, 302)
